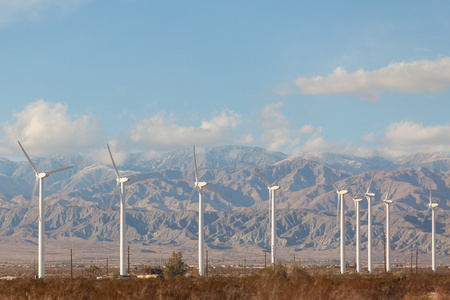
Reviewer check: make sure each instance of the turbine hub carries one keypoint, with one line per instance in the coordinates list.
(274, 187)
(123, 179)
(42, 175)
(342, 192)
(202, 184)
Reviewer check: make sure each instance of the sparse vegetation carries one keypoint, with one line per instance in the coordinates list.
(175, 266)
(275, 282)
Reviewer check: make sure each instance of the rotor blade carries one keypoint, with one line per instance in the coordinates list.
(426, 214)
(28, 158)
(337, 209)
(190, 196)
(281, 177)
(265, 181)
(362, 186)
(34, 188)
(332, 181)
(114, 193)
(59, 170)
(429, 180)
(210, 189)
(389, 190)
(114, 164)
(373, 176)
(195, 165)
(139, 178)
(350, 183)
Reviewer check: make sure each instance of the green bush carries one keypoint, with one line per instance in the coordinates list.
(175, 266)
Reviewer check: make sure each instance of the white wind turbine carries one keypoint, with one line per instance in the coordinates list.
(341, 193)
(40, 178)
(369, 195)
(433, 207)
(387, 203)
(121, 181)
(272, 188)
(200, 185)
(357, 198)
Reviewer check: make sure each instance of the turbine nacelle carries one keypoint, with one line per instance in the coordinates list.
(122, 179)
(370, 195)
(201, 184)
(42, 175)
(388, 201)
(433, 205)
(273, 187)
(342, 192)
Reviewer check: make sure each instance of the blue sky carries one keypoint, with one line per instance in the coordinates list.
(293, 76)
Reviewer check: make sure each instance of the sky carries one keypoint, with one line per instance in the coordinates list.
(349, 77)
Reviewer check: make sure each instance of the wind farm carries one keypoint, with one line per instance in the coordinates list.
(254, 150)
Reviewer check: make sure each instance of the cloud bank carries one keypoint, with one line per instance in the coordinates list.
(44, 128)
(414, 77)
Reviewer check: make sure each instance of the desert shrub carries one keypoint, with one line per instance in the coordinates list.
(92, 271)
(175, 266)
(153, 270)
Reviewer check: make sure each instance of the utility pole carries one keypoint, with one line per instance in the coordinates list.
(417, 255)
(411, 260)
(128, 269)
(71, 265)
(245, 263)
(34, 267)
(160, 257)
(207, 266)
(107, 267)
(384, 247)
(265, 260)
(406, 257)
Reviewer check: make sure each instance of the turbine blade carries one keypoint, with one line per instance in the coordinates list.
(114, 164)
(34, 188)
(210, 189)
(59, 170)
(350, 183)
(28, 209)
(281, 177)
(429, 180)
(389, 190)
(29, 159)
(361, 188)
(189, 199)
(139, 178)
(114, 194)
(425, 215)
(195, 166)
(332, 181)
(265, 181)
(373, 176)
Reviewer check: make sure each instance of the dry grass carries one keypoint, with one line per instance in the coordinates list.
(281, 283)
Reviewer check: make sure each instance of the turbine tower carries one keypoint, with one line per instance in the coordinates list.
(272, 188)
(357, 200)
(121, 181)
(200, 185)
(387, 203)
(369, 196)
(341, 193)
(433, 207)
(40, 178)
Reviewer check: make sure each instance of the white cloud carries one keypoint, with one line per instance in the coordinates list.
(33, 10)
(163, 133)
(414, 77)
(44, 128)
(408, 137)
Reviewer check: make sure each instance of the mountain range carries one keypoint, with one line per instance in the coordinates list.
(77, 200)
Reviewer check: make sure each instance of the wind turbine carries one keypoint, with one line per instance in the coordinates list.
(40, 178)
(272, 188)
(200, 185)
(357, 198)
(387, 203)
(121, 181)
(341, 193)
(369, 195)
(433, 207)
